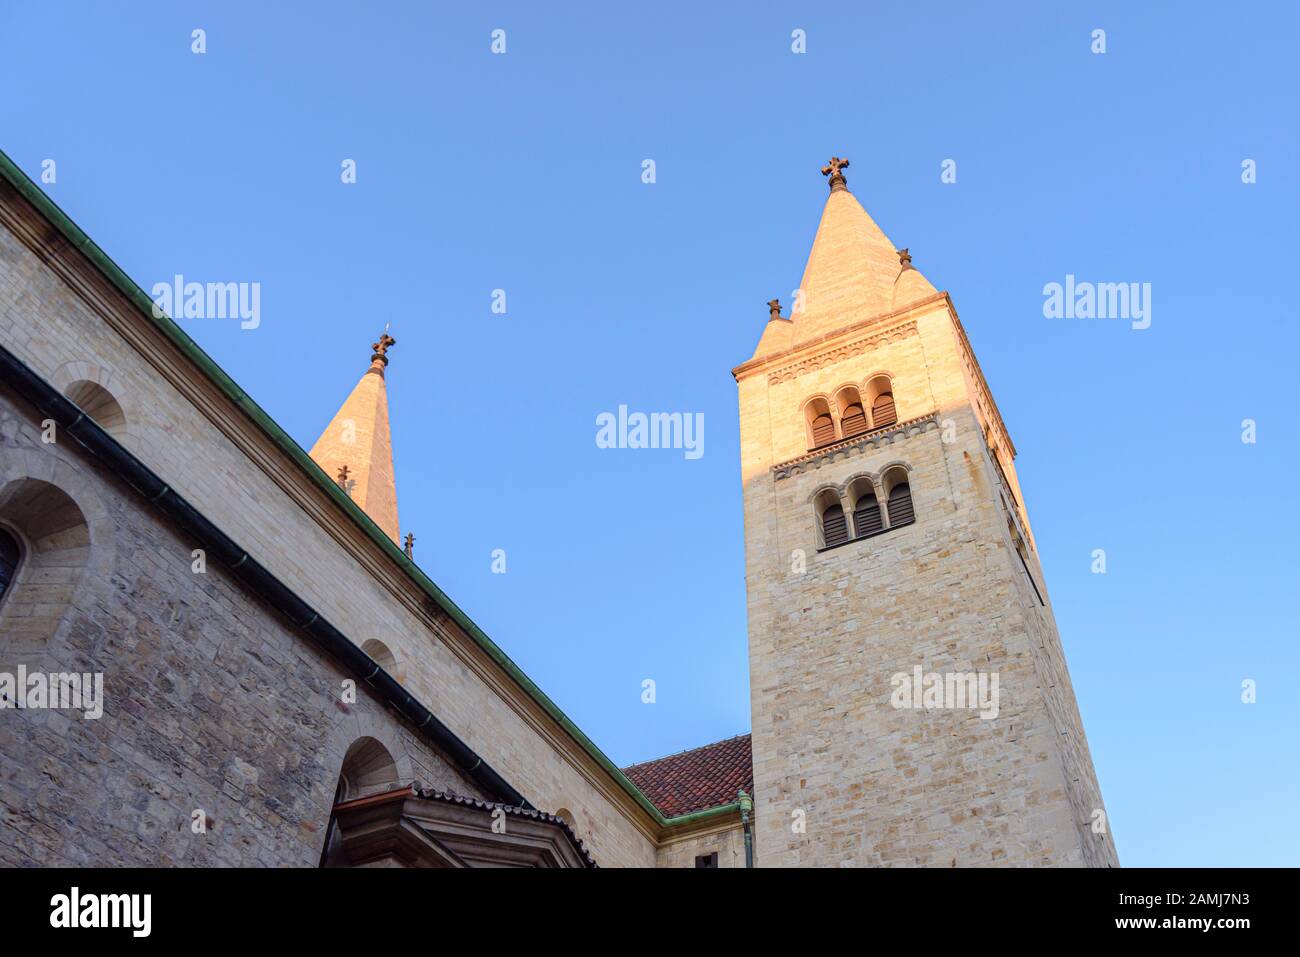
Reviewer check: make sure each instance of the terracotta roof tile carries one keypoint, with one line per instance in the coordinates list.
(698, 779)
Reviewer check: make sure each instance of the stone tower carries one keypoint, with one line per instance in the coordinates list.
(911, 702)
(356, 448)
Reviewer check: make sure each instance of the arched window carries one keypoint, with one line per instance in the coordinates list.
(880, 394)
(831, 517)
(823, 430)
(54, 555)
(835, 531)
(866, 515)
(10, 556)
(882, 410)
(821, 427)
(367, 769)
(98, 403)
(901, 511)
(383, 657)
(853, 419)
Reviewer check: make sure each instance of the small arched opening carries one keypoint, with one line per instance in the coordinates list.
(853, 417)
(45, 548)
(384, 657)
(831, 520)
(821, 425)
(368, 768)
(98, 403)
(898, 495)
(867, 518)
(880, 395)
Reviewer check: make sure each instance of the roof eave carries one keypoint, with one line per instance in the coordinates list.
(139, 298)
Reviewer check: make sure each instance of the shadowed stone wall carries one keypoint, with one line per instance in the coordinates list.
(211, 702)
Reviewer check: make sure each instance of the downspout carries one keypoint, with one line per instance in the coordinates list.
(746, 806)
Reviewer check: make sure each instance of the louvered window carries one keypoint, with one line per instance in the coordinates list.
(854, 420)
(900, 505)
(866, 516)
(835, 530)
(9, 556)
(882, 410)
(823, 430)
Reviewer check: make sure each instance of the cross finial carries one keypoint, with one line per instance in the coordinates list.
(408, 546)
(834, 169)
(774, 308)
(346, 483)
(381, 347)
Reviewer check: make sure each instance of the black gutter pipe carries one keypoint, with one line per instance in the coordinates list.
(746, 805)
(111, 454)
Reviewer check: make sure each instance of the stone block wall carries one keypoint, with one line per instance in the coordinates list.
(193, 439)
(843, 777)
(211, 702)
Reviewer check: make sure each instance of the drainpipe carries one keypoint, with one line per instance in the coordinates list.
(746, 806)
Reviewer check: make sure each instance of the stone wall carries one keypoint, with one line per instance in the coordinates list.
(185, 434)
(212, 703)
(727, 841)
(842, 777)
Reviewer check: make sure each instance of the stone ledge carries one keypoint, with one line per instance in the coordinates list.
(874, 439)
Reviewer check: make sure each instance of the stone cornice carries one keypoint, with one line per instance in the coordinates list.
(875, 439)
(852, 341)
(834, 340)
(842, 351)
(701, 827)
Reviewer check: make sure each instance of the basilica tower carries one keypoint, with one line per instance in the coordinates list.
(356, 448)
(911, 702)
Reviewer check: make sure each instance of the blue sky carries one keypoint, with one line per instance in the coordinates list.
(522, 172)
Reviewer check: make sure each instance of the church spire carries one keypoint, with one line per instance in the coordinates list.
(852, 274)
(358, 446)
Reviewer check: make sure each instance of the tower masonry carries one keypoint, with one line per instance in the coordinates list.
(911, 703)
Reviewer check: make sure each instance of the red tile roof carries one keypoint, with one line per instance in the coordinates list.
(699, 779)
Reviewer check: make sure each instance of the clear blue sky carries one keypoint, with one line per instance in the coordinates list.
(522, 172)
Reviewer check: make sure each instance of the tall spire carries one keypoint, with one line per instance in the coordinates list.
(853, 273)
(358, 446)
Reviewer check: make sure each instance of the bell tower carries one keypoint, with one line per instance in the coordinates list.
(910, 699)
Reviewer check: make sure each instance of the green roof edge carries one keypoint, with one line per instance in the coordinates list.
(129, 288)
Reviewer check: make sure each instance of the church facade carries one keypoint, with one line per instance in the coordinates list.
(283, 686)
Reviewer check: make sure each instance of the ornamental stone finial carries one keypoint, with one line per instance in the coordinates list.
(381, 347)
(834, 169)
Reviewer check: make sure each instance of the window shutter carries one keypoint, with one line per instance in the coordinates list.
(9, 555)
(855, 420)
(900, 505)
(835, 529)
(823, 430)
(866, 516)
(882, 410)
